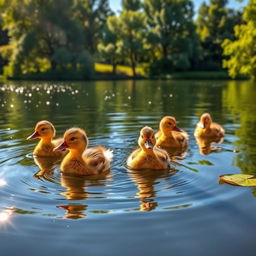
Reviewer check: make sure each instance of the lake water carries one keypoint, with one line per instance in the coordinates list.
(182, 212)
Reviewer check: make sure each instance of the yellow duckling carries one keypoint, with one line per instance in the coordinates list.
(207, 128)
(169, 135)
(45, 131)
(80, 160)
(148, 156)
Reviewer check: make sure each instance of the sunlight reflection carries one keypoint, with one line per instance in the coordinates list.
(5, 215)
(2, 182)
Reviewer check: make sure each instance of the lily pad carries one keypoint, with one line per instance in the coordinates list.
(246, 180)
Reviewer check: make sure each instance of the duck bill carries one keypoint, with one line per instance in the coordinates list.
(33, 136)
(177, 129)
(63, 146)
(148, 144)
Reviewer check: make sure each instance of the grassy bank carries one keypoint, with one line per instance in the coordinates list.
(105, 72)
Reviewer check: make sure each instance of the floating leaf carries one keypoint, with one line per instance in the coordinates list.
(246, 180)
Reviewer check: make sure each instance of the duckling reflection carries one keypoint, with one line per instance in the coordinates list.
(205, 144)
(74, 211)
(76, 190)
(145, 181)
(46, 166)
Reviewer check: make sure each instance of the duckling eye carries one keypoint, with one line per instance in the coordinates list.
(73, 138)
(43, 129)
(169, 123)
(142, 137)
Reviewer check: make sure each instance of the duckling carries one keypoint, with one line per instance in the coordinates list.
(45, 131)
(169, 135)
(207, 128)
(80, 160)
(147, 156)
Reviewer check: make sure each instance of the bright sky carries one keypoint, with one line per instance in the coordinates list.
(116, 4)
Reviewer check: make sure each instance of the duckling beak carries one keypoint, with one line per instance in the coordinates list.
(63, 146)
(177, 129)
(33, 136)
(148, 144)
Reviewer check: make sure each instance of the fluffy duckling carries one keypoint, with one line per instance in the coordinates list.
(169, 135)
(207, 128)
(147, 156)
(80, 160)
(45, 131)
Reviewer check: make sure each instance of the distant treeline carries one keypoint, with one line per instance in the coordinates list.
(64, 38)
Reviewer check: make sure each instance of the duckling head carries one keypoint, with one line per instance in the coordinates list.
(147, 139)
(168, 124)
(205, 120)
(74, 139)
(43, 130)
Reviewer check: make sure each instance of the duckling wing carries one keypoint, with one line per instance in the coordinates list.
(98, 158)
(132, 156)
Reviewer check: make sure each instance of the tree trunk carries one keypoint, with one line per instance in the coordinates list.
(133, 62)
(165, 51)
(114, 68)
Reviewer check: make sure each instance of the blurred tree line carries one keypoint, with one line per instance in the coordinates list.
(63, 38)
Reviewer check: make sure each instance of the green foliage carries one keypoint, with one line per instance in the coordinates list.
(215, 23)
(110, 48)
(242, 51)
(171, 34)
(132, 5)
(38, 34)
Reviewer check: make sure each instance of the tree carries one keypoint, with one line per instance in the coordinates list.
(132, 5)
(110, 48)
(93, 15)
(40, 39)
(215, 23)
(242, 50)
(171, 32)
(132, 31)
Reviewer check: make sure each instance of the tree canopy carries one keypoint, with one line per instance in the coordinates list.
(242, 50)
(62, 37)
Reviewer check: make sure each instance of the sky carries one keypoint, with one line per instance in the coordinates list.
(116, 4)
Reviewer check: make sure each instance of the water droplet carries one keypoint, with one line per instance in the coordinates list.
(47, 102)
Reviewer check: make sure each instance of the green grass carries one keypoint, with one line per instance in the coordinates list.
(120, 70)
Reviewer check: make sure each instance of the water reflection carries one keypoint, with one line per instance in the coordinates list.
(239, 99)
(145, 181)
(205, 144)
(46, 166)
(76, 189)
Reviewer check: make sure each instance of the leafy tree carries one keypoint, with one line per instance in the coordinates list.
(132, 32)
(93, 15)
(215, 23)
(38, 35)
(110, 48)
(171, 32)
(132, 5)
(242, 51)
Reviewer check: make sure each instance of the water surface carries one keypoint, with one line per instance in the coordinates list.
(184, 211)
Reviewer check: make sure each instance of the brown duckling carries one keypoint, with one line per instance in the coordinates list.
(147, 156)
(169, 135)
(45, 131)
(80, 160)
(207, 128)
